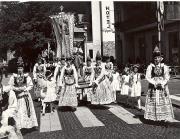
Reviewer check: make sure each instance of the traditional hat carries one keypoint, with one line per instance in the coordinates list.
(48, 73)
(39, 58)
(50, 59)
(136, 66)
(69, 58)
(88, 58)
(20, 62)
(63, 57)
(98, 56)
(156, 51)
(107, 56)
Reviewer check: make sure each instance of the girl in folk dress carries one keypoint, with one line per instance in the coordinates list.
(57, 74)
(50, 95)
(69, 75)
(136, 85)
(116, 83)
(21, 84)
(158, 104)
(125, 85)
(88, 78)
(103, 91)
(38, 77)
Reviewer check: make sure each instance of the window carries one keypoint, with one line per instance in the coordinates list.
(91, 53)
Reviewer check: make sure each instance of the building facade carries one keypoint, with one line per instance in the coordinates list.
(137, 32)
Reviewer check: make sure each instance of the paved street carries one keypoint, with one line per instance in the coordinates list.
(104, 122)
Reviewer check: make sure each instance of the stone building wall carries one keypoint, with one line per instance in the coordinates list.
(109, 48)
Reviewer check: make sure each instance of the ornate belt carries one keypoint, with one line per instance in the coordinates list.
(27, 103)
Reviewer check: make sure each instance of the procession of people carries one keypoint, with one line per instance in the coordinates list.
(98, 84)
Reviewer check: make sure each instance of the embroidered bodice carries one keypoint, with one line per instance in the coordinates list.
(39, 68)
(69, 75)
(68, 72)
(157, 71)
(88, 71)
(20, 81)
(97, 71)
(108, 66)
(51, 68)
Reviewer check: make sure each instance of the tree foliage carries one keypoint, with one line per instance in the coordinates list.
(26, 27)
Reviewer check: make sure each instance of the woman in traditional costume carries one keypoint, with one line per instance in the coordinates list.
(158, 106)
(68, 96)
(57, 74)
(88, 78)
(102, 93)
(136, 85)
(38, 77)
(21, 84)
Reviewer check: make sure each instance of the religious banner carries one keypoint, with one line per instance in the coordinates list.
(63, 25)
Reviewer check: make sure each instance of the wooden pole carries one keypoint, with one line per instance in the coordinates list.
(160, 22)
(158, 25)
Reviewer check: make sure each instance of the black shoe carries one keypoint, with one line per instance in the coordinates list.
(73, 109)
(140, 110)
(135, 116)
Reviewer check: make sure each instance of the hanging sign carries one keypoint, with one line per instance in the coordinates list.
(108, 20)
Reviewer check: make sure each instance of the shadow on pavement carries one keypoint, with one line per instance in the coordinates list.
(157, 123)
(101, 107)
(66, 108)
(26, 131)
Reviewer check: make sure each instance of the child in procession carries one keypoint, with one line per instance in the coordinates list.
(136, 85)
(50, 95)
(125, 85)
(116, 83)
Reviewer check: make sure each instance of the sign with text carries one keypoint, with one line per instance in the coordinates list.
(108, 20)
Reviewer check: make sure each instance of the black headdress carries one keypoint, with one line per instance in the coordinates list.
(63, 57)
(20, 62)
(157, 53)
(98, 56)
(88, 58)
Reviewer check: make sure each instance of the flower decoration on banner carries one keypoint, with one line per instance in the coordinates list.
(160, 12)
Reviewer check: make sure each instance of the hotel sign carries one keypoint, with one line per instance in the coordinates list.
(108, 20)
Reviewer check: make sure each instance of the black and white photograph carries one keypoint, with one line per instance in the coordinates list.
(89, 69)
